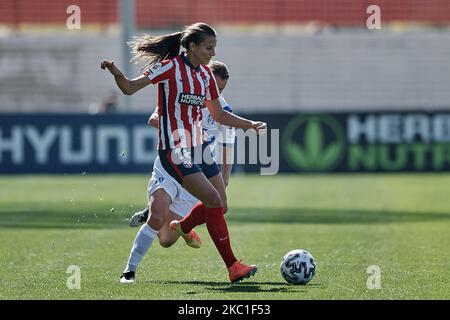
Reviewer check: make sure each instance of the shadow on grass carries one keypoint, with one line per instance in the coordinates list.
(68, 218)
(104, 218)
(246, 286)
(330, 216)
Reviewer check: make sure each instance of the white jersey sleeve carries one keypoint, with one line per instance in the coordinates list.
(227, 134)
(215, 132)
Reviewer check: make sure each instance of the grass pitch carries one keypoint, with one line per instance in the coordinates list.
(399, 223)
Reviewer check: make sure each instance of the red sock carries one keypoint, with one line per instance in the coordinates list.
(217, 228)
(196, 217)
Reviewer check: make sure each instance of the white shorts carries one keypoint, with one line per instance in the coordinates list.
(182, 200)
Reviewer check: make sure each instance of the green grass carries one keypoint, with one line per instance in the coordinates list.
(400, 223)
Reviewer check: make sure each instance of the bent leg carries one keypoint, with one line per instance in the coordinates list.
(141, 244)
(198, 216)
(204, 190)
(219, 185)
(159, 204)
(159, 208)
(201, 188)
(167, 237)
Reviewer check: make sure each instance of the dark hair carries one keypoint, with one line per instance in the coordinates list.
(219, 69)
(153, 49)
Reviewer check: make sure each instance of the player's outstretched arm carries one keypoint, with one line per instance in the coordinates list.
(230, 119)
(126, 85)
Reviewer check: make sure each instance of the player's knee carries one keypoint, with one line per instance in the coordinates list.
(213, 201)
(166, 243)
(156, 219)
(155, 224)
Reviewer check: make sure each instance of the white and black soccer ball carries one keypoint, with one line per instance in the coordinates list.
(298, 266)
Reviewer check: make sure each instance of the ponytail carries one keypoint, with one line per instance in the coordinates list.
(153, 49)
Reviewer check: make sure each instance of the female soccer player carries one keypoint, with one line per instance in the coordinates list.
(221, 140)
(185, 83)
(182, 201)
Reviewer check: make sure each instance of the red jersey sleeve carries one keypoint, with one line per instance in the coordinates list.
(160, 71)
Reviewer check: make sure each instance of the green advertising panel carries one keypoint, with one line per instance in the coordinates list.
(362, 142)
(313, 143)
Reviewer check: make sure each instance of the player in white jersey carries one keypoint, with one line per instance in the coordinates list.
(221, 140)
(220, 137)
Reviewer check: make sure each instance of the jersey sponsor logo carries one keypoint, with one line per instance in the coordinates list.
(191, 99)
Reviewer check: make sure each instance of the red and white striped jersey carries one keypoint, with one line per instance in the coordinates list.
(182, 90)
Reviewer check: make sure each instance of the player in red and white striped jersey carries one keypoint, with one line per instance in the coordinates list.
(221, 140)
(185, 83)
(182, 91)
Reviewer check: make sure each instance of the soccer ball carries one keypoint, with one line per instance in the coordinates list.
(298, 266)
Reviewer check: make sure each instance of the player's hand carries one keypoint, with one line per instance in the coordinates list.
(111, 67)
(259, 126)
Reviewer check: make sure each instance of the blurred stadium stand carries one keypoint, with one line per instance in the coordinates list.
(163, 14)
(283, 55)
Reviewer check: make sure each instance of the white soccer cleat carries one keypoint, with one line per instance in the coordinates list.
(128, 277)
(138, 218)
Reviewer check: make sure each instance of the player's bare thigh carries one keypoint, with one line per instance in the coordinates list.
(201, 188)
(219, 185)
(159, 204)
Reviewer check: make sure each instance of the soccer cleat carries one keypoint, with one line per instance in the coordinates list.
(128, 277)
(138, 218)
(176, 226)
(192, 238)
(239, 271)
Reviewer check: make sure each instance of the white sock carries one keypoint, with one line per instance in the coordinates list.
(141, 244)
